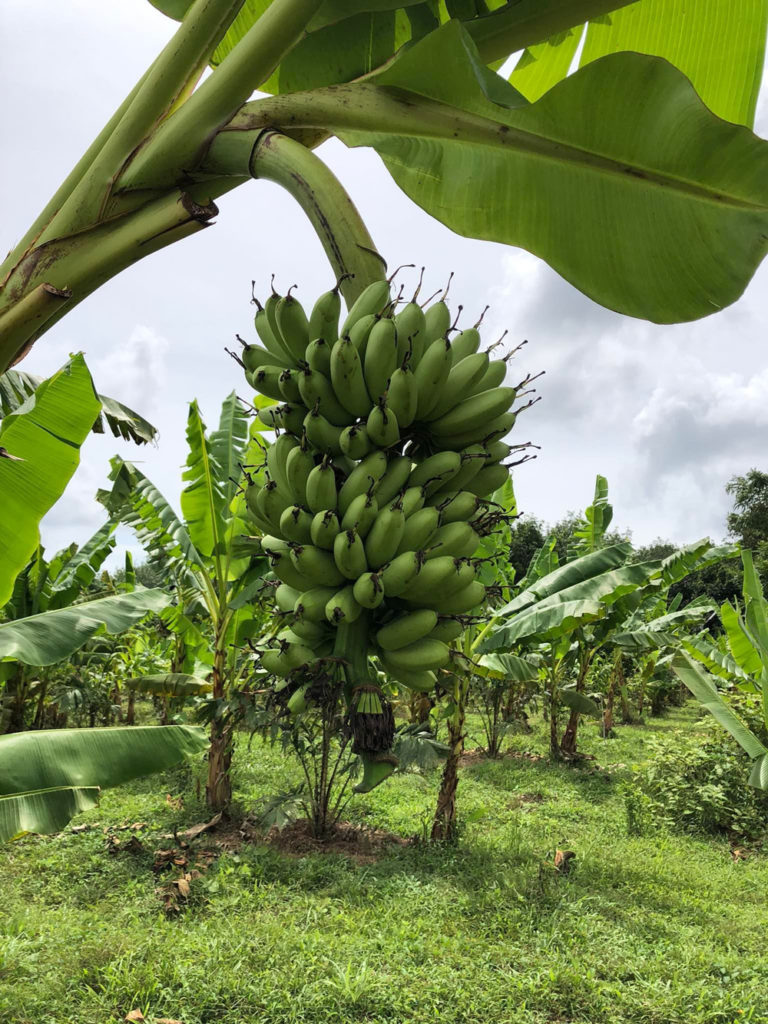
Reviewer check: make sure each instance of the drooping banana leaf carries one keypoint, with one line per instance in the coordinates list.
(577, 701)
(169, 684)
(568, 575)
(639, 199)
(52, 636)
(546, 622)
(79, 571)
(506, 666)
(16, 387)
(39, 451)
(704, 690)
(48, 776)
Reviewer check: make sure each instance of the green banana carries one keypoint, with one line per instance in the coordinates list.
(473, 458)
(421, 682)
(414, 499)
(311, 604)
(406, 629)
(382, 426)
(324, 529)
(299, 463)
(419, 527)
(359, 332)
(457, 507)
(368, 591)
(317, 393)
(447, 629)
(376, 768)
(466, 343)
(275, 663)
(321, 487)
(349, 554)
(371, 468)
(270, 309)
(437, 321)
(422, 656)
(426, 586)
(321, 434)
(492, 378)
(373, 299)
(256, 358)
(456, 539)
(284, 417)
(435, 471)
(384, 537)
(286, 597)
(288, 383)
(399, 574)
(348, 379)
(343, 607)
(324, 318)
(497, 452)
(284, 569)
(271, 341)
(297, 703)
(486, 432)
(316, 564)
(355, 442)
(277, 454)
(489, 480)
(459, 384)
(266, 381)
(272, 503)
(312, 633)
(461, 601)
(394, 480)
(295, 523)
(475, 412)
(318, 356)
(403, 396)
(464, 574)
(410, 324)
(380, 357)
(293, 326)
(361, 514)
(274, 545)
(431, 375)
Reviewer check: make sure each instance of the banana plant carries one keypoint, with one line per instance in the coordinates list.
(651, 132)
(214, 575)
(567, 616)
(744, 664)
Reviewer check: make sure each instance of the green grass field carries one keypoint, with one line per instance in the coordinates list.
(655, 930)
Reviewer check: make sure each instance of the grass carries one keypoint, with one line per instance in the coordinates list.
(655, 930)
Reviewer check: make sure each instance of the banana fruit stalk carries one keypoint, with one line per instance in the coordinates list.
(377, 494)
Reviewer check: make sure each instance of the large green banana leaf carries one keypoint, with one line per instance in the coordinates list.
(718, 45)
(16, 386)
(718, 662)
(506, 666)
(568, 575)
(39, 452)
(546, 622)
(46, 777)
(591, 529)
(203, 500)
(228, 444)
(642, 185)
(52, 636)
(79, 570)
(703, 688)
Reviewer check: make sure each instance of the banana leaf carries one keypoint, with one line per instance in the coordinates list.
(39, 451)
(48, 776)
(169, 684)
(203, 500)
(506, 666)
(704, 690)
(52, 636)
(568, 575)
(16, 387)
(576, 701)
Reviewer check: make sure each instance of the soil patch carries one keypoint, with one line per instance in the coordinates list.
(362, 844)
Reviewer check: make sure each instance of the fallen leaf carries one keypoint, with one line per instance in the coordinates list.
(167, 1020)
(197, 830)
(134, 1015)
(183, 887)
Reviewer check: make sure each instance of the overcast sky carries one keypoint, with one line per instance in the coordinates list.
(668, 414)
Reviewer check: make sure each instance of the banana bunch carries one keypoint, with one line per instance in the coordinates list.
(389, 445)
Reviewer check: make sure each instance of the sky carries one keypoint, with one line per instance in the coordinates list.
(667, 414)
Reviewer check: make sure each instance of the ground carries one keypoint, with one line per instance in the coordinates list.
(651, 930)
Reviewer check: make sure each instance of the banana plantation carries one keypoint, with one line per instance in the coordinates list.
(328, 725)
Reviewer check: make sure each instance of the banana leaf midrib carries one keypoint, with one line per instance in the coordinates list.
(330, 108)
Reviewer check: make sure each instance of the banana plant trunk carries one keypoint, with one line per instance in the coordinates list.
(218, 790)
(15, 700)
(444, 823)
(617, 678)
(568, 742)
